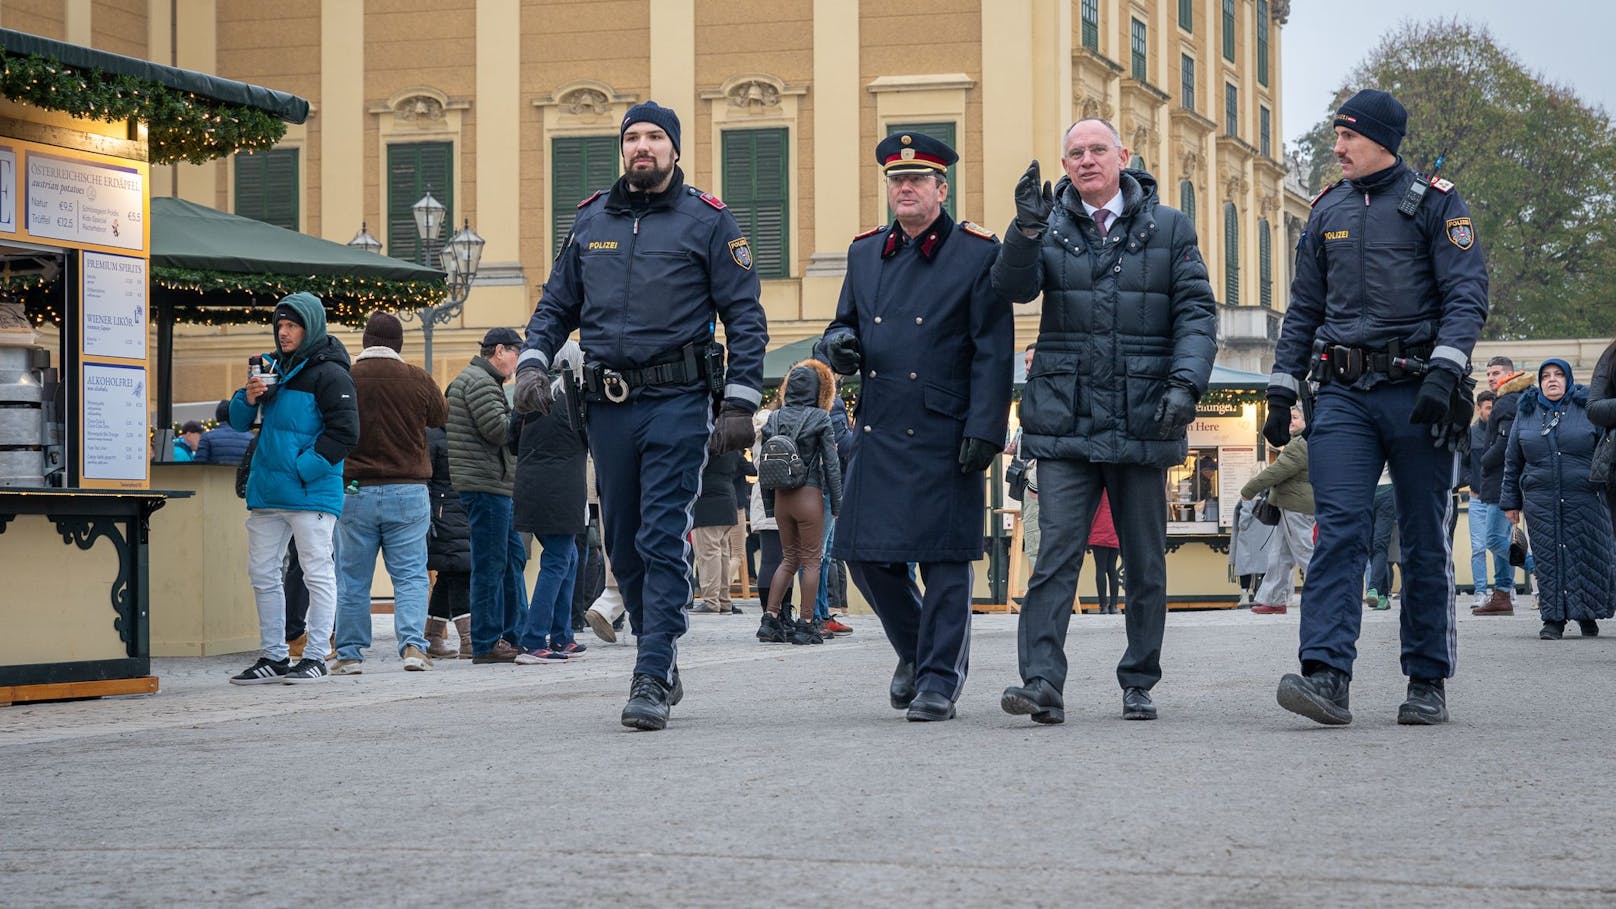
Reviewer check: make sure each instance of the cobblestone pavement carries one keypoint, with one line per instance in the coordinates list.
(784, 779)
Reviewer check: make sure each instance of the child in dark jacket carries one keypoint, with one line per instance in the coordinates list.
(800, 512)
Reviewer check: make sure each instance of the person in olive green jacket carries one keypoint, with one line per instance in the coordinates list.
(1289, 491)
(482, 472)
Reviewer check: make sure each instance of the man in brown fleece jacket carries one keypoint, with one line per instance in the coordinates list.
(387, 507)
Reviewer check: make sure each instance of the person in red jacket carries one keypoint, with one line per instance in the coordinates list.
(1104, 545)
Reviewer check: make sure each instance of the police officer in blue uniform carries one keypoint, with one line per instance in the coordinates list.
(920, 323)
(1389, 297)
(647, 266)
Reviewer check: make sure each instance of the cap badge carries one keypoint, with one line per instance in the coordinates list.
(905, 140)
(907, 154)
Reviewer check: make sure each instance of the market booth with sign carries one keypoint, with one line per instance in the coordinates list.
(79, 132)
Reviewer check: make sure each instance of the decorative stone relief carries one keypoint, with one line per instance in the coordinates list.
(1191, 162)
(1267, 203)
(753, 94)
(1280, 10)
(1090, 106)
(586, 102)
(422, 110)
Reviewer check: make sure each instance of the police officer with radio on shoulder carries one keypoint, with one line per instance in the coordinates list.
(647, 266)
(1389, 296)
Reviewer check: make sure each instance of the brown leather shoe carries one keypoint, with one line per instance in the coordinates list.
(503, 652)
(1265, 609)
(1497, 604)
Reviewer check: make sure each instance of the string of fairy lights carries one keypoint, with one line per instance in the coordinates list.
(180, 125)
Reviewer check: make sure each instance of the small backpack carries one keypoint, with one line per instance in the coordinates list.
(782, 466)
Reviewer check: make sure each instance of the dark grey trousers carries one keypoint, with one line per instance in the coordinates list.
(1068, 495)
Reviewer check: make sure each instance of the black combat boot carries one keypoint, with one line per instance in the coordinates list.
(1321, 695)
(648, 702)
(1427, 704)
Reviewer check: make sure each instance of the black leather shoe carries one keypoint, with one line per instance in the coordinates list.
(902, 690)
(1551, 631)
(930, 707)
(1321, 697)
(1037, 699)
(1427, 704)
(1136, 704)
(1588, 627)
(647, 706)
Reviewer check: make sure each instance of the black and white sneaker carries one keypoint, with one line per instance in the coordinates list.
(306, 670)
(264, 672)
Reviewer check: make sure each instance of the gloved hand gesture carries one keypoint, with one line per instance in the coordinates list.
(1177, 407)
(1276, 428)
(532, 389)
(1454, 432)
(1033, 204)
(975, 455)
(732, 431)
(844, 353)
(1436, 396)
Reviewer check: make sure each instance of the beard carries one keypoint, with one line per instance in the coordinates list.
(648, 179)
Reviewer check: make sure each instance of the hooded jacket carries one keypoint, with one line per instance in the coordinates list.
(1498, 428)
(1124, 316)
(397, 402)
(1551, 446)
(309, 420)
(807, 395)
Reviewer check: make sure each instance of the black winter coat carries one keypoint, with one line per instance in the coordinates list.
(448, 545)
(551, 495)
(1601, 391)
(1124, 315)
(1498, 430)
(1546, 475)
(715, 506)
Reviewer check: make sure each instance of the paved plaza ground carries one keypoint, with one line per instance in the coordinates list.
(784, 779)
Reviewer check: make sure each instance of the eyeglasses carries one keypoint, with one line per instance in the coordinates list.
(1098, 151)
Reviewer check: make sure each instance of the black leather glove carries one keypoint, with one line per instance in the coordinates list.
(1033, 204)
(1454, 432)
(532, 389)
(1177, 407)
(975, 455)
(844, 353)
(1277, 427)
(732, 431)
(1436, 396)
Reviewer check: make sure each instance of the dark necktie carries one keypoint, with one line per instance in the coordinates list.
(1100, 216)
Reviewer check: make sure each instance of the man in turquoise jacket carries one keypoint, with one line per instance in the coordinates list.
(304, 399)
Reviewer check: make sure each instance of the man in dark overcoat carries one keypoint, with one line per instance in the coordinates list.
(920, 323)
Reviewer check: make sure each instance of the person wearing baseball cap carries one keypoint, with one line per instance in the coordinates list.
(647, 264)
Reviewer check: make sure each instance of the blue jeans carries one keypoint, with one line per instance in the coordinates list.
(549, 613)
(497, 560)
(394, 519)
(1498, 537)
(1484, 539)
(822, 599)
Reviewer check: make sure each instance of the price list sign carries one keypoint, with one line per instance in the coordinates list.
(85, 202)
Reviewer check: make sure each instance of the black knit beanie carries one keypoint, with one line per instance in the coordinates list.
(1376, 116)
(652, 112)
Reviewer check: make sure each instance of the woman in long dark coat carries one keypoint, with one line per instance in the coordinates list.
(1546, 470)
(448, 553)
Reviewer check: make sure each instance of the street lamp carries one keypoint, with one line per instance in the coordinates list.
(458, 258)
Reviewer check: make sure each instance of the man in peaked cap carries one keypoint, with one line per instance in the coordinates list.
(921, 325)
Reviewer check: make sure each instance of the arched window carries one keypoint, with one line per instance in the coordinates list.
(1231, 254)
(1186, 200)
(1265, 264)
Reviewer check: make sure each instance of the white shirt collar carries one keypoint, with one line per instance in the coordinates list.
(1114, 206)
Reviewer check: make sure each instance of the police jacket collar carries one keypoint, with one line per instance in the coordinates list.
(930, 240)
(624, 200)
(1380, 180)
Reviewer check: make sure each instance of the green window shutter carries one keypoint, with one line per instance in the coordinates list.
(1265, 264)
(1186, 82)
(413, 169)
(756, 188)
(1231, 254)
(1140, 52)
(1262, 42)
(266, 187)
(579, 165)
(1186, 15)
(1231, 110)
(1091, 24)
(1265, 125)
(942, 132)
(1186, 200)
(1228, 29)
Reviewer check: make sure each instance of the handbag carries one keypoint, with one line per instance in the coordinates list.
(1265, 511)
(1016, 476)
(1604, 459)
(1519, 546)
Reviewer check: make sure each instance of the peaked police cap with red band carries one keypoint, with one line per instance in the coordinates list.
(913, 153)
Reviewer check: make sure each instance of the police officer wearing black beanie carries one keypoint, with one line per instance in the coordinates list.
(647, 264)
(1388, 299)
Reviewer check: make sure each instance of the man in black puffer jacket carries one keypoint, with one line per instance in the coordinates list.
(1124, 352)
(1507, 383)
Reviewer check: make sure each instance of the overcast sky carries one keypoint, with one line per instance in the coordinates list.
(1566, 41)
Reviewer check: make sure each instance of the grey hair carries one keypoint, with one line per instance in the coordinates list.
(1115, 136)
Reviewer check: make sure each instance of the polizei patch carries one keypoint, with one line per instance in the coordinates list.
(1461, 233)
(741, 252)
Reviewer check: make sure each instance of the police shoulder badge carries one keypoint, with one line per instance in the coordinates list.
(1322, 193)
(1461, 233)
(741, 251)
(1441, 185)
(712, 200)
(871, 232)
(976, 230)
(592, 197)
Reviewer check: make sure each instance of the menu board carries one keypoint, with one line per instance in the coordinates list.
(115, 437)
(114, 306)
(1236, 465)
(85, 202)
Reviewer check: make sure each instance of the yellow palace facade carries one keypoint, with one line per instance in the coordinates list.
(507, 112)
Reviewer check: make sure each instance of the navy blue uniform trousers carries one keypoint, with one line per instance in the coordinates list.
(1355, 434)
(649, 453)
(932, 630)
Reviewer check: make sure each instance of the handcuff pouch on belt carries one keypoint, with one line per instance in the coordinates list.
(1346, 365)
(690, 363)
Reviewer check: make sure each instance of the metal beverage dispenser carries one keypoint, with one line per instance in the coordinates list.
(30, 418)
